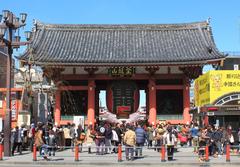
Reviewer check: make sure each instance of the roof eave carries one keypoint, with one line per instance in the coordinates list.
(203, 62)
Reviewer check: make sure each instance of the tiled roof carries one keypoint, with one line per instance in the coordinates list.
(122, 44)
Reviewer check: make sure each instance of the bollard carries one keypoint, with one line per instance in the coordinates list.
(34, 152)
(228, 153)
(76, 153)
(163, 154)
(207, 153)
(119, 153)
(1, 150)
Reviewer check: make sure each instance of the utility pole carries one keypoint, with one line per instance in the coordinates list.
(9, 24)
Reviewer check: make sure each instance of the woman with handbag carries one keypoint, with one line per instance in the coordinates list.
(90, 137)
(80, 137)
(170, 140)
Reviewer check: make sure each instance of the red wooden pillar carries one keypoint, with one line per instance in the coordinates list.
(57, 114)
(152, 102)
(186, 100)
(205, 120)
(91, 102)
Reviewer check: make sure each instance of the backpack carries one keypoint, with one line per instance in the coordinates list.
(82, 136)
(102, 130)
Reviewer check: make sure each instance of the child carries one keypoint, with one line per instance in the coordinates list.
(203, 138)
(52, 143)
(43, 151)
(201, 149)
(182, 138)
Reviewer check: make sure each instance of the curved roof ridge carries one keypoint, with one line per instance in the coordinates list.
(122, 43)
(191, 25)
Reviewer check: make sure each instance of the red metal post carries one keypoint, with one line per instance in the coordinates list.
(34, 152)
(207, 153)
(1, 151)
(228, 153)
(76, 153)
(163, 151)
(119, 153)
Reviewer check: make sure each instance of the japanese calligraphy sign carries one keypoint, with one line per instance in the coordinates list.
(121, 71)
(202, 90)
(214, 84)
(14, 109)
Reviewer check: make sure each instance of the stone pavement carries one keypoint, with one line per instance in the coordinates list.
(184, 156)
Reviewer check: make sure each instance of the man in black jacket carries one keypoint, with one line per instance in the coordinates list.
(119, 133)
(108, 138)
(217, 136)
(17, 140)
(100, 138)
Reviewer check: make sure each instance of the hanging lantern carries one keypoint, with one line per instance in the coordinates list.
(122, 98)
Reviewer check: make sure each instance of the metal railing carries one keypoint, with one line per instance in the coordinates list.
(163, 156)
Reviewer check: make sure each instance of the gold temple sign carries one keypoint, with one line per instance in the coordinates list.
(121, 71)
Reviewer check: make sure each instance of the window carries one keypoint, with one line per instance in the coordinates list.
(235, 67)
(169, 102)
(74, 103)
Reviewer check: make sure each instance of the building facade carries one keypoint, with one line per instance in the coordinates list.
(217, 95)
(3, 90)
(231, 63)
(159, 59)
(3, 67)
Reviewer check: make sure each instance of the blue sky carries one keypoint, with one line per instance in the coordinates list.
(225, 14)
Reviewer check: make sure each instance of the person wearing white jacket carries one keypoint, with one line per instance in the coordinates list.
(115, 141)
(170, 140)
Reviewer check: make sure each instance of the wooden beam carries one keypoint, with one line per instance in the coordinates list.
(169, 87)
(62, 88)
(107, 77)
(12, 89)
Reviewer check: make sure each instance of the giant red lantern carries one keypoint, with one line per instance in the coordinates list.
(122, 98)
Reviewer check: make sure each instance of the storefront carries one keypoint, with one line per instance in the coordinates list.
(16, 104)
(217, 98)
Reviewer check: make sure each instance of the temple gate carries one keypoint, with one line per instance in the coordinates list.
(160, 59)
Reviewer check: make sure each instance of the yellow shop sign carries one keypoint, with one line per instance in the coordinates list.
(214, 84)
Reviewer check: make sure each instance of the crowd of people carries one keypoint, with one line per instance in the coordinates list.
(106, 137)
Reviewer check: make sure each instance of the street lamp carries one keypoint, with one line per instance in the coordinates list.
(28, 35)
(9, 23)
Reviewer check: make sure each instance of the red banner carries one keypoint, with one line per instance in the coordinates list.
(123, 111)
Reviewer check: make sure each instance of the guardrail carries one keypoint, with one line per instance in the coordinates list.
(120, 149)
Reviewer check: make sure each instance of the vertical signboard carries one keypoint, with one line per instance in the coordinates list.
(42, 107)
(14, 109)
(1, 124)
(202, 90)
(78, 120)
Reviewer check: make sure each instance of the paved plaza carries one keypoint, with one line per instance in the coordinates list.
(183, 157)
